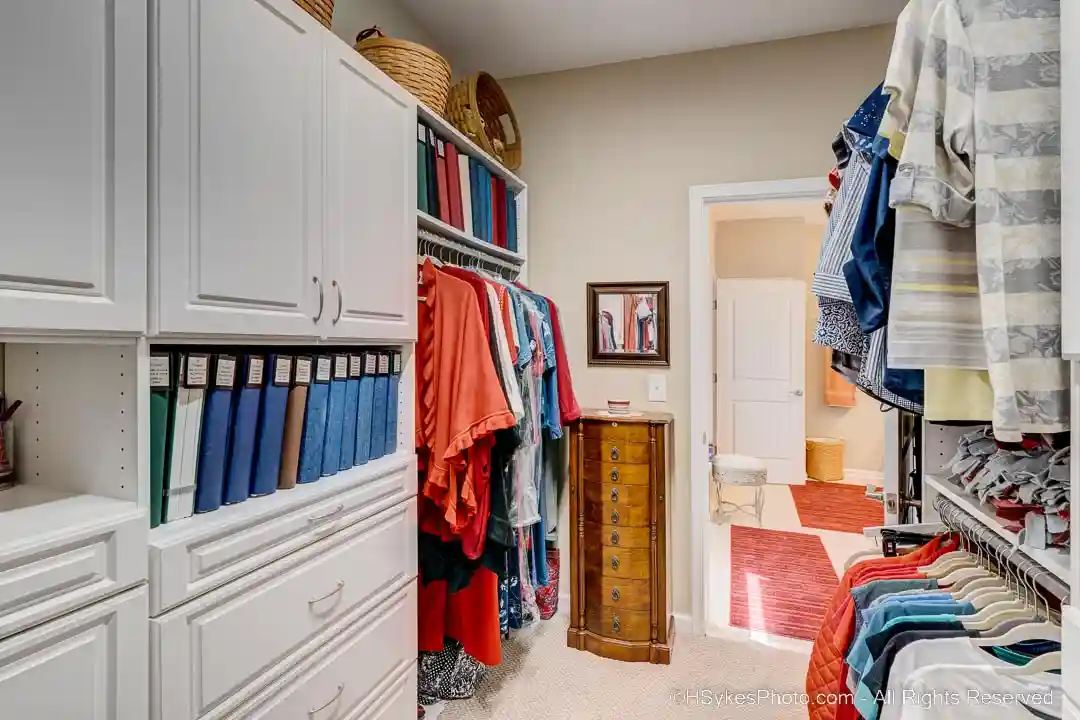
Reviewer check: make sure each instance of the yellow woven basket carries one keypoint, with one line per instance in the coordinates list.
(478, 107)
(825, 459)
(418, 69)
(321, 10)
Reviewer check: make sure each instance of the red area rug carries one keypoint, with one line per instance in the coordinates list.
(836, 506)
(781, 582)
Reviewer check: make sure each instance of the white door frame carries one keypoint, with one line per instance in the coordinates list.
(703, 340)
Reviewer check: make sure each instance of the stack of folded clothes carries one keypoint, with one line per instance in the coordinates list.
(1027, 483)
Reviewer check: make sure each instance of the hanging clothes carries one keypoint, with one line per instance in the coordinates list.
(983, 150)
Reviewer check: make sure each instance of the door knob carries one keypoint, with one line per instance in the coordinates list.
(797, 393)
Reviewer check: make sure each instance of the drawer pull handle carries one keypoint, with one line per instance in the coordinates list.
(614, 453)
(615, 594)
(614, 424)
(614, 474)
(327, 515)
(614, 562)
(614, 537)
(327, 596)
(331, 701)
(614, 517)
(616, 625)
(614, 495)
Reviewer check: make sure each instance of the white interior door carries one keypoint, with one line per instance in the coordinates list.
(761, 374)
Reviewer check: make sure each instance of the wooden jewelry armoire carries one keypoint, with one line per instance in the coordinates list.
(620, 597)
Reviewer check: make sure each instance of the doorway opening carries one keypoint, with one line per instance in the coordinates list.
(767, 574)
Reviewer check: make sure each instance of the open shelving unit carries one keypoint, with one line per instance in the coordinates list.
(940, 444)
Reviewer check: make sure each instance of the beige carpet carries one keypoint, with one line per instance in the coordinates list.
(541, 678)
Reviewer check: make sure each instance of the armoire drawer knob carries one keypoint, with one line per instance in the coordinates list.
(614, 495)
(614, 474)
(614, 517)
(615, 594)
(614, 562)
(614, 537)
(616, 625)
(614, 453)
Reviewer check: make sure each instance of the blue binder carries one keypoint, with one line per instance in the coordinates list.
(392, 403)
(477, 200)
(244, 429)
(335, 416)
(311, 443)
(216, 427)
(511, 222)
(271, 432)
(365, 406)
(378, 415)
(352, 400)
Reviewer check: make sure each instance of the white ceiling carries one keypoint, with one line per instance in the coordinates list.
(522, 37)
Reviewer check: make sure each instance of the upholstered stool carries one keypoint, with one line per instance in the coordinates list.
(743, 471)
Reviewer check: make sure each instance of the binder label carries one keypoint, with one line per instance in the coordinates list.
(397, 363)
(282, 370)
(322, 369)
(356, 365)
(341, 367)
(159, 371)
(384, 363)
(442, 148)
(431, 136)
(256, 366)
(303, 371)
(370, 363)
(225, 373)
(198, 370)
(421, 132)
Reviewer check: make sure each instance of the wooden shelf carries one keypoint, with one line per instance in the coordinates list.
(438, 227)
(450, 133)
(1056, 560)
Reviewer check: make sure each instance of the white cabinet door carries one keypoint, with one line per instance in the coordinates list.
(238, 241)
(90, 665)
(73, 148)
(371, 197)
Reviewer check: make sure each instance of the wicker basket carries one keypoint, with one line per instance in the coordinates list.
(321, 10)
(477, 106)
(420, 70)
(825, 459)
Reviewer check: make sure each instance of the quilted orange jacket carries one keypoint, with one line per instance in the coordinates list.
(826, 676)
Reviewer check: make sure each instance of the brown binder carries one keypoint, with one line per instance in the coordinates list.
(294, 424)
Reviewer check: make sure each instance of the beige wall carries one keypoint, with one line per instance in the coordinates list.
(787, 247)
(610, 155)
(352, 16)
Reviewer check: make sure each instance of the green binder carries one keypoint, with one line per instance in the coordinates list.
(421, 167)
(162, 389)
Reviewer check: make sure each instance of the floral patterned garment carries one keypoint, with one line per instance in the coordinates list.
(983, 149)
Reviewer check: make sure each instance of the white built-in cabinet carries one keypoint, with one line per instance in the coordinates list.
(283, 183)
(73, 159)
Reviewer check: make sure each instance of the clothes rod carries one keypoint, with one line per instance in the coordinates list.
(426, 236)
(960, 521)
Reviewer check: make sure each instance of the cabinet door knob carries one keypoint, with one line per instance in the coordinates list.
(616, 625)
(614, 495)
(318, 315)
(614, 562)
(614, 474)
(614, 537)
(614, 453)
(615, 594)
(340, 301)
(614, 517)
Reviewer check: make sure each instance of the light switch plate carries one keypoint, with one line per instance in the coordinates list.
(657, 387)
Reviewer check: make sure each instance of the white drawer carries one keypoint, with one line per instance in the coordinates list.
(60, 551)
(350, 677)
(224, 643)
(90, 664)
(1069, 710)
(190, 557)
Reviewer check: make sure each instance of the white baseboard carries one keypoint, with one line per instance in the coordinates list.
(864, 477)
(684, 624)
